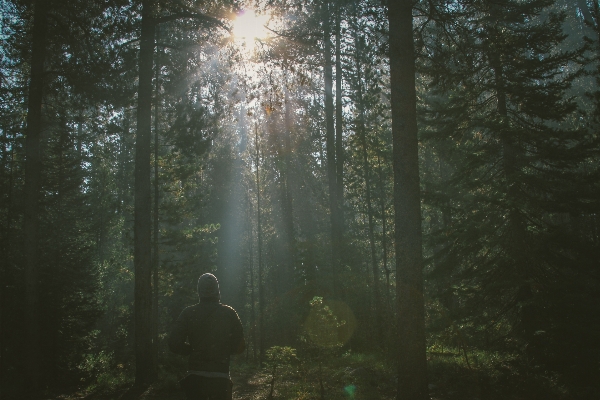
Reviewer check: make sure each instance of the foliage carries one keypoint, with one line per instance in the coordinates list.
(505, 155)
(279, 358)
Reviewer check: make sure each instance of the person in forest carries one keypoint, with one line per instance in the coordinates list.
(209, 333)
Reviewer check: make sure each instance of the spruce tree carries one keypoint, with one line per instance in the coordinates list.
(501, 120)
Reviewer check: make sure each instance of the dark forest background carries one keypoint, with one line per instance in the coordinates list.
(142, 146)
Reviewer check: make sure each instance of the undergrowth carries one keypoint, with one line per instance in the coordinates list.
(345, 374)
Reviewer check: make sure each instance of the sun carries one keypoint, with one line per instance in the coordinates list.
(249, 26)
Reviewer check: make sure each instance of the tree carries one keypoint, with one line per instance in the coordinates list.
(508, 131)
(330, 139)
(142, 214)
(56, 231)
(412, 365)
(32, 190)
(339, 119)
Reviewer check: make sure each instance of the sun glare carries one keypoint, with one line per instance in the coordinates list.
(249, 26)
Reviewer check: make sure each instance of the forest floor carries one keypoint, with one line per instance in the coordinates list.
(354, 376)
(247, 385)
(359, 378)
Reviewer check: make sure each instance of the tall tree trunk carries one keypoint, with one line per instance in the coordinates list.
(33, 165)
(362, 134)
(330, 149)
(288, 206)
(511, 155)
(5, 277)
(122, 167)
(446, 210)
(261, 289)
(412, 364)
(251, 273)
(156, 254)
(49, 300)
(384, 231)
(339, 122)
(142, 206)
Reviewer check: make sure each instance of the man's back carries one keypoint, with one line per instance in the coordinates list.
(213, 332)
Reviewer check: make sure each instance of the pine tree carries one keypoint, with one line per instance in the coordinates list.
(502, 122)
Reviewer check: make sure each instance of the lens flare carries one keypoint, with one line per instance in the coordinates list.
(350, 390)
(330, 323)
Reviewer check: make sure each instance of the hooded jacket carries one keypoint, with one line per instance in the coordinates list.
(208, 332)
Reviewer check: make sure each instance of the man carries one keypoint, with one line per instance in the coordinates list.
(209, 332)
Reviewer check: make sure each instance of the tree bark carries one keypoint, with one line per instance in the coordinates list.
(33, 167)
(142, 206)
(412, 364)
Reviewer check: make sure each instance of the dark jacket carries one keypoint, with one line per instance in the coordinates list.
(209, 332)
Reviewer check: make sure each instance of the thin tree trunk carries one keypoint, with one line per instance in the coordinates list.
(5, 259)
(121, 174)
(330, 149)
(361, 130)
(79, 144)
(100, 234)
(142, 206)
(261, 289)
(446, 216)
(384, 232)
(156, 255)
(412, 364)
(252, 296)
(51, 302)
(511, 155)
(8, 158)
(288, 206)
(339, 122)
(510, 158)
(33, 168)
